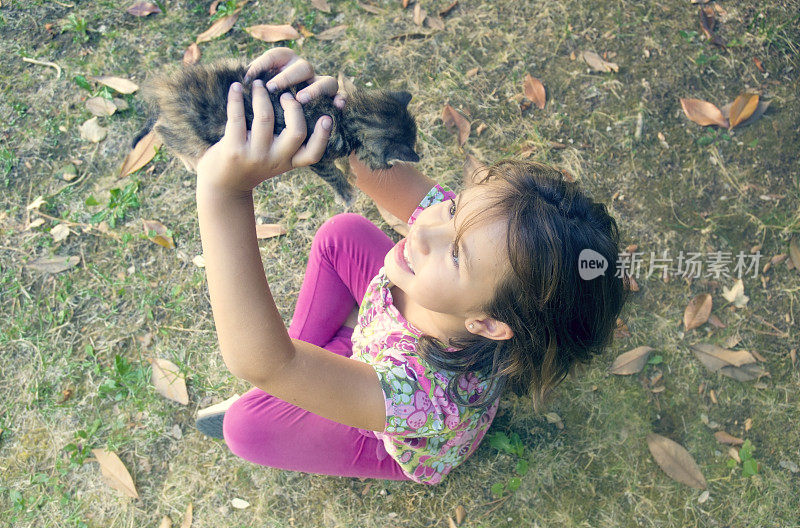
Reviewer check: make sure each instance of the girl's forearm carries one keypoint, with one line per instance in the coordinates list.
(252, 336)
(399, 189)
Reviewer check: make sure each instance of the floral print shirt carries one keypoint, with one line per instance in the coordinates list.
(425, 432)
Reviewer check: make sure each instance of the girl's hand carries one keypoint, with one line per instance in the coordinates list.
(293, 70)
(242, 159)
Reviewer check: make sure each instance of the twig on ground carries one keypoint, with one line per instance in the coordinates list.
(45, 63)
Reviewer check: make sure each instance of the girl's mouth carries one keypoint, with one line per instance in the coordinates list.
(401, 255)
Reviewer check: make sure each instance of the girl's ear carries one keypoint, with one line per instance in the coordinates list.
(490, 328)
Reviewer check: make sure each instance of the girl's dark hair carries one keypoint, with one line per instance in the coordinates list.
(559, 319)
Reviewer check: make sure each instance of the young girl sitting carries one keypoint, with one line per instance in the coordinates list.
(483, 295)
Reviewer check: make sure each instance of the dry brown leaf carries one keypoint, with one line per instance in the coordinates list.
(675, 461)
(621, 331)
(142, 9)
(736, 294)
(419, 14)
(123, 86)
(239, 504)
(269, 230)
(446, 11)
(759, 111)
(631, 362)
(474, 170)
(187, 517)
(121, 104)
(141, 154)
(218, 28)
(435, 23)
(794, 252)
(192, 54)
(472, 72)
(703, 113)
(461, 513)
(53, 264)
(405, 3)
(168, 380)
(332, 33)
(697, 312)
(115, 472)
(724, 438)
(322, 5)
(212, 9)
(59, 232)
(395, 223)
(272, 33)
(375, 10)
(742, 108)
(455, 122)
(166, 522)
(100, 106)
(716, 322)
(534, 90)
(160, 237)
(759, 65)
(737, 364)
(92, 131)
(597, 63)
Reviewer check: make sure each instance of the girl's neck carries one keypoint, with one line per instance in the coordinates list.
(434, 324)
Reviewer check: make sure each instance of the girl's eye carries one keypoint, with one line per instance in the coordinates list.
(454, 247)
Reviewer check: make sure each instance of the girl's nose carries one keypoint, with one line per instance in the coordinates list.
(428, 236)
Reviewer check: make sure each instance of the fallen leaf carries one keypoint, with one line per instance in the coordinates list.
(192, 54)
(724, 438)
(697, 311)
(631, 362)
(269, 230)
(271, 33)
(66, 394)
(435, 23)
(759, 111)
(212, 9)
(715, 321)
(68, 172)
(100, 106)
(759, 65)
(239, 504)
(737, 364)
(161, 237)
(218, 28)
(480, 128)
(534, 90)
(445, 12)
(166, 522)
(35, 204)
(322, 5)
(92, 131)
(59, 232)
(123, 86)
(742, 108)
(454, 121)
(121, 104)
(199, 261)
(375, 10)
(474, 170)
(472, 72)
(305, 215)
(597, 63)
(304, 30)
(405, 3)
(736, 294)
(168, 380)
(187, 517)
(461, 513)
(36, 223)
(621, 330)
(707, 24)
(53, 264)
(116, 473)
(142, 9)
(419, 14)
(675, 461)
(703, 113)
(794, 252)
(332, 33)
(141, 154)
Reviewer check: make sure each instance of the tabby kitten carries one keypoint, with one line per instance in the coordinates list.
(190, 116)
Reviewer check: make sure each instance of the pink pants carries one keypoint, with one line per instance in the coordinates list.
(346, 254)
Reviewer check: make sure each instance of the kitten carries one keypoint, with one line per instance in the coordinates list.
(190, 116)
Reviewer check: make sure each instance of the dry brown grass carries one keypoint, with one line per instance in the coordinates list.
(597, 471)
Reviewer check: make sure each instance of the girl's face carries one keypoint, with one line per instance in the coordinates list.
(444, 279)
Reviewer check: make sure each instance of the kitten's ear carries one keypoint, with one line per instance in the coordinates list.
(401, 97)
(402, 153)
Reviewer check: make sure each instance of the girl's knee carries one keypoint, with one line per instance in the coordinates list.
(240, 426)
(338, 228)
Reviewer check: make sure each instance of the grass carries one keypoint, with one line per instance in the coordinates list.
(75, 345)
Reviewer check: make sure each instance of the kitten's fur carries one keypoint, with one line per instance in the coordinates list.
(190, 115)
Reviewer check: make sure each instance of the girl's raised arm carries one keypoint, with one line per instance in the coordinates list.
(399, 190)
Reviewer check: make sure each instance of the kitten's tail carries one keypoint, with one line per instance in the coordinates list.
(148, 126)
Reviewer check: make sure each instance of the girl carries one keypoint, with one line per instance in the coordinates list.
(483, 295)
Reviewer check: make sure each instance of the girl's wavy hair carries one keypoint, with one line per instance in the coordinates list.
(559, 320)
